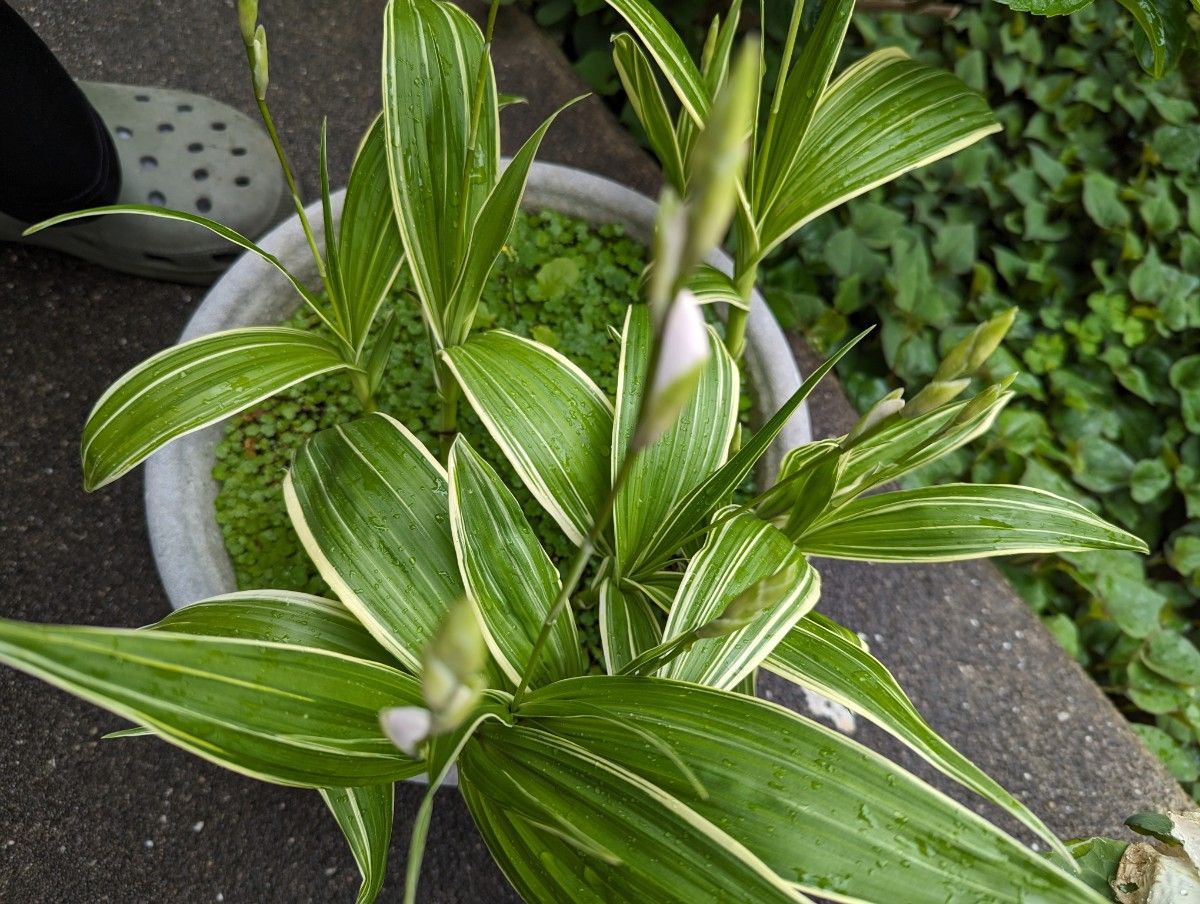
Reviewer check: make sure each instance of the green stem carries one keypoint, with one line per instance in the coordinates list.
(655, 658)
(764, 148)
(362, 390)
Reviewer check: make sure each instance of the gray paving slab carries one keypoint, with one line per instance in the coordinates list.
(88, 821)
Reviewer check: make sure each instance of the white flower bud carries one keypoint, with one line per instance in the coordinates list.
(247, 19)
(890, 404)
(407, 727)
(683, 352)
(259, 49)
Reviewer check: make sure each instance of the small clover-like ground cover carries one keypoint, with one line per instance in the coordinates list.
(560, 281)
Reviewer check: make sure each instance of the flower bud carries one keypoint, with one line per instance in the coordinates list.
(247, 19)
(890, 404)
(407, 727)
(683, 352)
(757, 598)
(670, 233)
(983, 402)
(259, 51)
(988, 337)
(452, 668)
(934, 395)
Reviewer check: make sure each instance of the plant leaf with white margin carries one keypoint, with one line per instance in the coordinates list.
(370, 505)
(286, 714)
(960, 521)
(779, 783)
(370, 250)
(713, 286)
(365, 817)
(691, 448)
(822, 656)
(509, 579)
(190, 386)
(671, 54)
(738, 554)
(648, 844)
(278, 616)
(628, 626)
(552, 423)
(882, 117)
(641, 87)
(432, 54)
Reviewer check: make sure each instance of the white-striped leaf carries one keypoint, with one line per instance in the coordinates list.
(365, 817)
(960, 521)
(432, 56)
(689, 450)
(490, 231)
(370, 251)
(628, 626)
(278, 616)
(827, 814)
(822, 656)
(552, 422)
(286, 714)
(641, 86)
(690, 512)
(189, 386)
(882, 117)
(739, 553)
(370, 505)
(712, 286)
(716, 69)
(644, 843)
(509, 579)
(670, 53)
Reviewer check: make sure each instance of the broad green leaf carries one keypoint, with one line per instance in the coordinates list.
(370, 506)
(646, 844)
(738, 554)
(1047, 7)
(280, 713)
(880, 118)
(628, 626)
(689, 450)
(278, 616)
(510, 580)
(711, 286)
(812, 804)
(189, 386)
(370, 251)
(552, 422)
(365, 818)
(432, 56)
(799, 95)
(960, 521)
(669, 52)
(822, 656)
(641, 86)
(1164, 32)
(230, 235)
(689, 513)
(489, 233)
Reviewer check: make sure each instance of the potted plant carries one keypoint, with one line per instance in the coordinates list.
(659, 779)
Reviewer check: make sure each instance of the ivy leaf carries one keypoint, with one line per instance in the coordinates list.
(1185, 379)
(1101, 201)
(1173, 656)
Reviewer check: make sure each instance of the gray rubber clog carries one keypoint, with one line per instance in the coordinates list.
(177, 150)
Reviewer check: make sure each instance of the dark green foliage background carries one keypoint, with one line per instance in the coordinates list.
(1085, 213)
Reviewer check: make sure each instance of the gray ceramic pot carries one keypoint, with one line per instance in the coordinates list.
(180, 490)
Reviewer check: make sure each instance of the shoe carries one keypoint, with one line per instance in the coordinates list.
(178, 150)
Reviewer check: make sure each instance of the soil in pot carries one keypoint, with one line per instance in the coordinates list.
(559, 281)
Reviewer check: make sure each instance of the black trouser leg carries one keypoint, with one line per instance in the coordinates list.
(55, 153)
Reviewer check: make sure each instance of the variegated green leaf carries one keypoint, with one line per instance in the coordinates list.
(509, 578)
(285, 714)
(960, 521)
(370, 250)
(715, 67)
(690, 512)
(552, 422)
(712, 286)
(693, 446)
(822, 656)
(278, 616)
(190, 386)
(916, 115)
(739, 553)
(645, 96)
(489, 233)
(628, 626)
(669, 52)
(825, 813)
(432, 53)
(640, 843)
(365, 818)
(370, 505)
